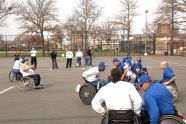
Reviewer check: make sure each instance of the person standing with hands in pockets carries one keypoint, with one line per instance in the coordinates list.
(69, 56)
(33, 53)
(54, 61)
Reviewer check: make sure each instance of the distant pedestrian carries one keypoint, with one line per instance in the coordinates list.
(69, 56)
(54, 60)
(79, 55)
(89, 56)
(16, 56)
(33, 53)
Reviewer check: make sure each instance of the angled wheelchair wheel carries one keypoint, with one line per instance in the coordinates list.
(170, 119)
(174, 91)
(25, 83)
(11, 76)
(87, 93)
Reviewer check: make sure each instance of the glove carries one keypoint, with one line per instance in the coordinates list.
(165, 83)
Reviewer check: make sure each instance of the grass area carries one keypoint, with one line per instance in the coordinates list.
(59, 53)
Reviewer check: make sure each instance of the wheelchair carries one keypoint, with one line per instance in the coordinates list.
(173, 90)
(88, 91)
(170, 119)
(14, 77)
(120, 117)
(27, 83)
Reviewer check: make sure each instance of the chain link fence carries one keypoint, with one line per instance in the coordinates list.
(117, 46)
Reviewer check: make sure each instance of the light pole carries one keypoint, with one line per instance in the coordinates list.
(146, 30)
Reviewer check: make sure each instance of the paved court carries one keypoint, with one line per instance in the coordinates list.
(58, 103)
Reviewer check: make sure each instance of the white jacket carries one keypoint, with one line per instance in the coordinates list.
(117, 96)
(69, 54)
(92, 74)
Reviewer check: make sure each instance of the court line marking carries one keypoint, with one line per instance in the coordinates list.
(7, 90)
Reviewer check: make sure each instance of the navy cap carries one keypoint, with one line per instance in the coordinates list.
(24, 59)
(102, 64)
(129, 61)
(143, 79)
(115, 60)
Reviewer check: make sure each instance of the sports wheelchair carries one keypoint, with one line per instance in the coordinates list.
(88, 91)
(171, 119)
(120, 117)
(14, 77)
(27, 83)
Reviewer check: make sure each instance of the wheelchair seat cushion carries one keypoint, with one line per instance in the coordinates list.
(121, 116)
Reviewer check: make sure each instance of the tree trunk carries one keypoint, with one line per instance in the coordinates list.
(43, 43)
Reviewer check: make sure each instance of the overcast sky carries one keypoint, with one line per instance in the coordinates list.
(110, 8)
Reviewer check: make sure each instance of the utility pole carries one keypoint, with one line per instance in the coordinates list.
(146, 33)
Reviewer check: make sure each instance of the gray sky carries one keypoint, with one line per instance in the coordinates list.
(110, 8)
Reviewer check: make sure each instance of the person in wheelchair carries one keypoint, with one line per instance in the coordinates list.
(121, 99)
(93, 75)
(120, 65)
(168, 75)
(28, 71)
(129, 75)
(158, 100)
(16, 67)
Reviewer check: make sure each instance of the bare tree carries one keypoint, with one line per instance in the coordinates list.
(129, 8)
(58, 34)
(107, 29)
(86, 15)
(37, 16)
(168, 12)
(5, 10)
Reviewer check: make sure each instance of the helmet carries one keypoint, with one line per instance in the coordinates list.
(24, 59)
(138, 58)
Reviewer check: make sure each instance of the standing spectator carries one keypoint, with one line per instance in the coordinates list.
(89, 55)
(54, 61)
(69, 56)
(16, 56)
(33, 53)
(79, 55)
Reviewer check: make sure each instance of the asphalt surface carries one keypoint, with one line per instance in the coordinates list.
(57, 102)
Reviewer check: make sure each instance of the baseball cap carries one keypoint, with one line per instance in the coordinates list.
(102, 64)
(115, 60)
(138, 58)
(143, 79)
(129, 61)
(24, 60)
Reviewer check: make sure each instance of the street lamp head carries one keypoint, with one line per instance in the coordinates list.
(146, 11)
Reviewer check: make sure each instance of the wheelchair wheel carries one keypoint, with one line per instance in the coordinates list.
(170, 119)
(25, 83)
(87, 93)
(11, 76)
(174, 91)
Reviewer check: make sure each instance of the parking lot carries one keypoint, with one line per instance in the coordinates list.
(57, 102)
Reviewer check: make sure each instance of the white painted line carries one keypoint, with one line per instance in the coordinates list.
(7, 90)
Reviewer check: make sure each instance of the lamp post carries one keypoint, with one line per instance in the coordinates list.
(146, 30)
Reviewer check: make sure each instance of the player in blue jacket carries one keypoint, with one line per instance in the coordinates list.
(158, 100)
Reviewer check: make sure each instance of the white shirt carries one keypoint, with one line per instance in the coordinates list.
(79, 54)
(117, 96)
(28, 72)
(17, 64)
(33, 53)
(92, 74)
(69, 54)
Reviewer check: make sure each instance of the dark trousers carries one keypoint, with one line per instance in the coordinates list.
(69, 63)
(36, 78)
(54, 63)
(34, 61)
(79, 60)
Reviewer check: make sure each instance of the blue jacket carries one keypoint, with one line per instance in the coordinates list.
(121, 67)
(167, 74)
(158, 101)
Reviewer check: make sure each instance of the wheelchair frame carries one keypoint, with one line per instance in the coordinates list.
(13, 78)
